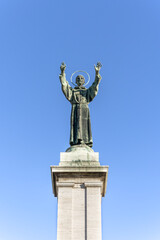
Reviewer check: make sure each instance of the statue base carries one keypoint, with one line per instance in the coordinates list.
(79, 183)
(79, 147)
(79, 155)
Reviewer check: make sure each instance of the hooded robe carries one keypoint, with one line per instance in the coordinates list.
(80, 97)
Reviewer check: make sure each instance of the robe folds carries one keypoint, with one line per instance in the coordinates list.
(80, 97)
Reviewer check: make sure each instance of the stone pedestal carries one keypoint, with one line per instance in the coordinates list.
(79, 183)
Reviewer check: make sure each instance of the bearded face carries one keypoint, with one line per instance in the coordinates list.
(80, 80)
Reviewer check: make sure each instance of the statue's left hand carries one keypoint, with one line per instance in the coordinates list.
(97, 68)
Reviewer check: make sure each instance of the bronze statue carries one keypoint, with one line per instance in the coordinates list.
(79, 97)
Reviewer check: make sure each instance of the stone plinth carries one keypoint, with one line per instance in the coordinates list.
(79, 183)
(79, 159)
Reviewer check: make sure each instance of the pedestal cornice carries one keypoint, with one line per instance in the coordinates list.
(59, 173)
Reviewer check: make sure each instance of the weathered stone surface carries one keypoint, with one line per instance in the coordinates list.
(64, 221)
(80, 156)
(79, 191)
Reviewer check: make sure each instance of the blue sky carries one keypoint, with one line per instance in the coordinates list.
(35, 37)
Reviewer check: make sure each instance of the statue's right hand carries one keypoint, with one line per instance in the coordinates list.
(63, 67)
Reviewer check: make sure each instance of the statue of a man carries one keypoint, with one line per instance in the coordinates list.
(80, 97)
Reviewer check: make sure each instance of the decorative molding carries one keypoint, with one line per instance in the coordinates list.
(93, 184)
(64, 184)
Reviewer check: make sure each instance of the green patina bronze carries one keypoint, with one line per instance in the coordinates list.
(80, 97)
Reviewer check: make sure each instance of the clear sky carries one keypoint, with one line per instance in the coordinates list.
(35, 37)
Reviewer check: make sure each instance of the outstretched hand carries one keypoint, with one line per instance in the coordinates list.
(62, 67)
(97, 68)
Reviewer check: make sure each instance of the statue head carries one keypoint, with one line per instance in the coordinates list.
(80, 80)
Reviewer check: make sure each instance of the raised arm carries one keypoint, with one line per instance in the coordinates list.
(66, 88)
(93, 90)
